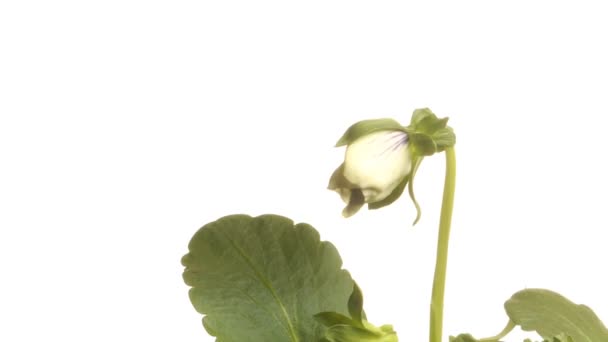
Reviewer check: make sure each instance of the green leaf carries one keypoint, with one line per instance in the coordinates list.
(355, 305)
(329, 318)
(349, 333)
(263, 278)
(355, 328)
(463, 338)
(366, 127)
(550, 314)
(469, 338)
(559, 338)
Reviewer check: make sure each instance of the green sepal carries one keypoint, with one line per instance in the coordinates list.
(422, 144)
(366, 127)
(415, 164)
(429, 134)
(444, 138)
(398, 191)
(425, 121)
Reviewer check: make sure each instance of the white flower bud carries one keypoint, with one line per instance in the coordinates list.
(374, 166)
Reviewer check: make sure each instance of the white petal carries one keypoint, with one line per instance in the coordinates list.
(377, 163)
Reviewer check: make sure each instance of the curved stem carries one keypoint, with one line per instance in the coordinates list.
(502, 334)
(436, 324)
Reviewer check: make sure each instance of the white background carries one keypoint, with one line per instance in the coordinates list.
(127, 125)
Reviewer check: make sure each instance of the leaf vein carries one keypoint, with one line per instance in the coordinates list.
(268, 286)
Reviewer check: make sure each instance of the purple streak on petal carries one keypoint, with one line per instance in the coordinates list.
(395, 140)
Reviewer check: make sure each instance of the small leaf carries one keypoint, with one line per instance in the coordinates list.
(463, 338)
(333, 318)
(262, 279)
(355, 305)
(349, 333)
(366, 127)
(560, 338)
(469, 338)
(550, 314)
(355, 328)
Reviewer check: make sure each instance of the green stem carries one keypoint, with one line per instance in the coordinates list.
(436, 325)
(502, 334)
